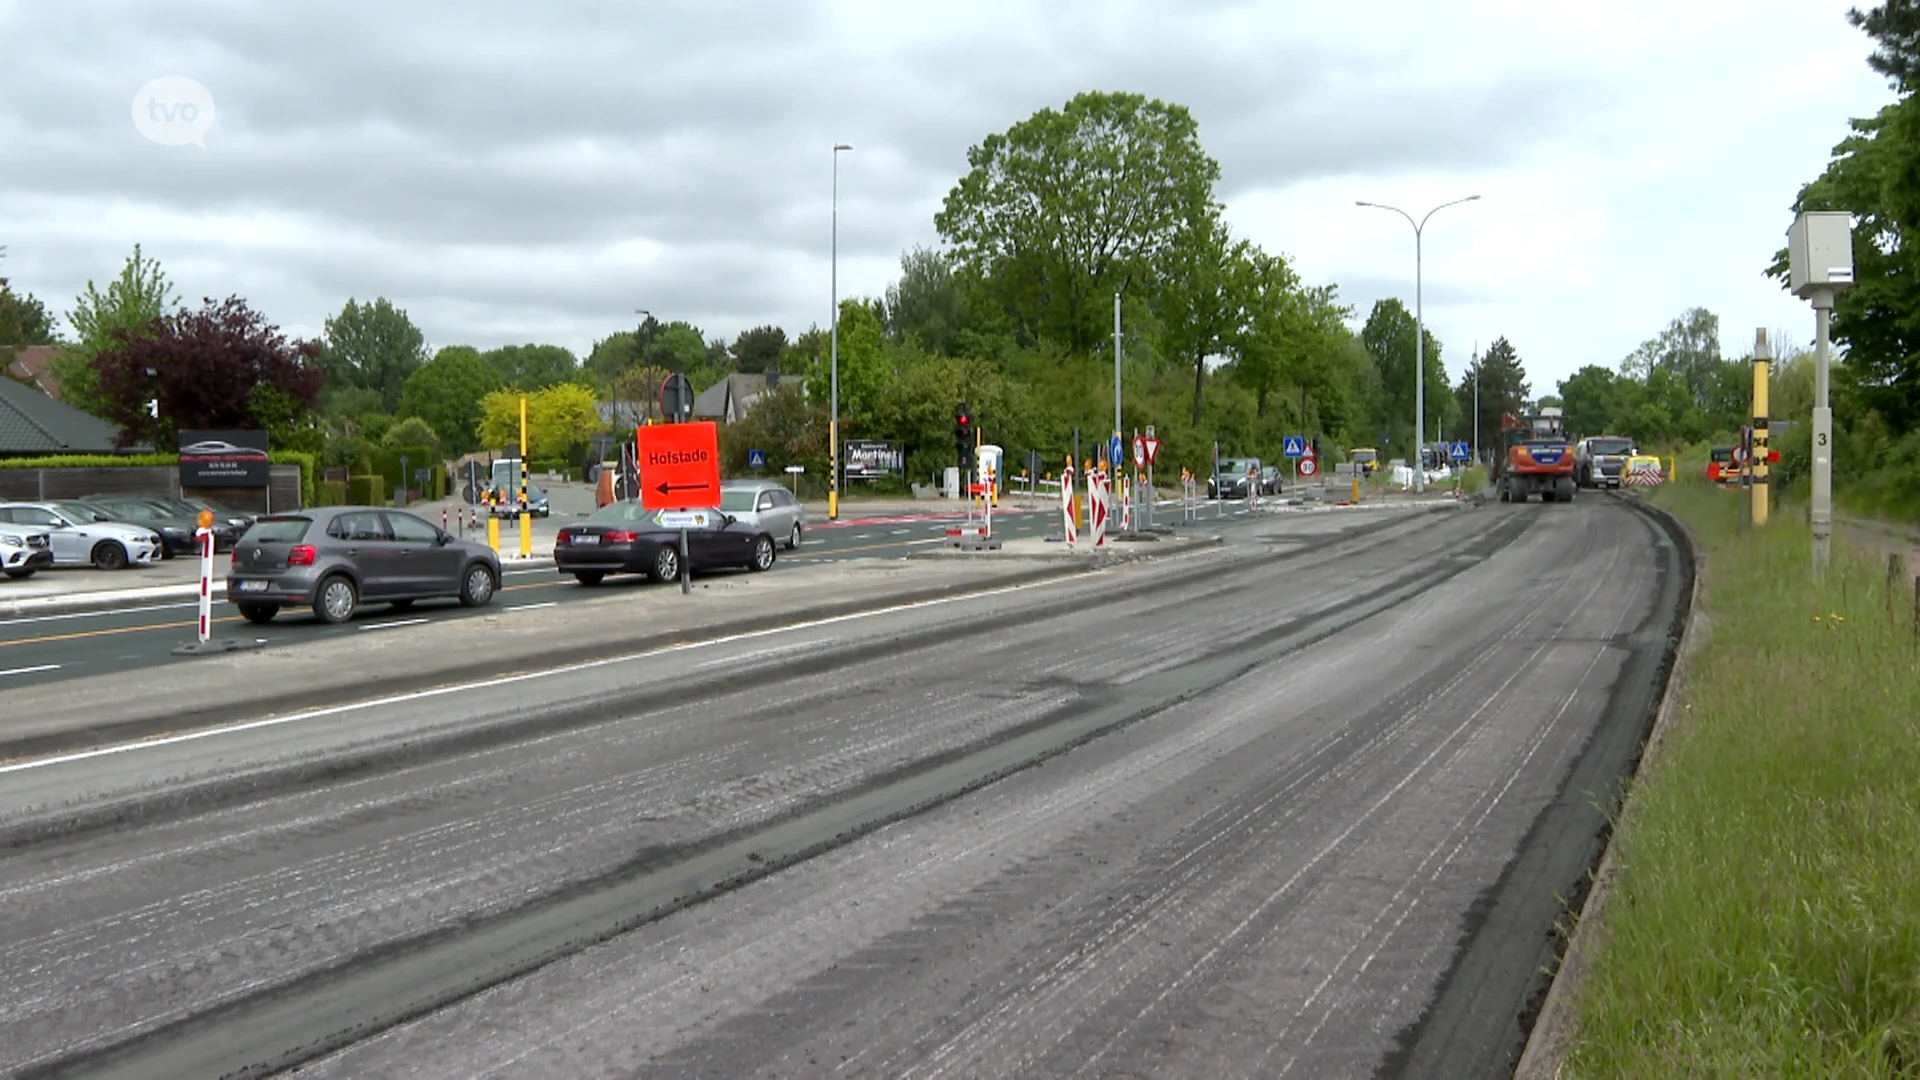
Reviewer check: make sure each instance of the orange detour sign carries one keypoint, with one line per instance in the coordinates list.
(680, 466)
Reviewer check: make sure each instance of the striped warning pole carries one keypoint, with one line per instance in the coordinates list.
(205, 535)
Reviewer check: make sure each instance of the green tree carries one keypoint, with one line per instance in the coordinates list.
(758, 350)
(1270, 316)
(561, 419)
(1503, 389)
(373, 346)
(789, 426)
(411, 431)
(1389, 335)
(23, 319)
(925, 307)
(130, 307)
(446, 392)
(1070, 206)
(1204, 297)
(1598, 402)
(864, 369)
(532, 367)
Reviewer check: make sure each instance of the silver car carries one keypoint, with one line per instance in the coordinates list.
(767, 506)
(336, 558)
(24, 551)
(79, 539)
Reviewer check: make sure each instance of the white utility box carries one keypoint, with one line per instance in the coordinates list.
(1820, 252)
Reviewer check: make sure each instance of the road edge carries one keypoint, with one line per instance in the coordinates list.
(1551, 1036)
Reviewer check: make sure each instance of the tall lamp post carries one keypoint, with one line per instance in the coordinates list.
(833, 421)
(1419, 336)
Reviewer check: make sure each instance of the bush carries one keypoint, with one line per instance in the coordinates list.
(367, 489)
(330, 493)
(308, 466)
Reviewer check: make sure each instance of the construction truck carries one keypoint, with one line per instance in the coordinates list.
(1537, 458)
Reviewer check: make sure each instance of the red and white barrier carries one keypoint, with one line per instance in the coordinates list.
(205, 536)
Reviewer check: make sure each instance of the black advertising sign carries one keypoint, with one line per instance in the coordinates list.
(223, 459)
(871, 459)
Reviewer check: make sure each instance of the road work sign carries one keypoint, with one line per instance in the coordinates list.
(679, 466)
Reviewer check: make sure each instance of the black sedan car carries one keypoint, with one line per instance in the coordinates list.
(625, 538)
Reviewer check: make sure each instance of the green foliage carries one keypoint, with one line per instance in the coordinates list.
(561, 419)
(91, 461)
(330, 493)
(864, 368)
(1390, 336)
(127, 310)
(446, 394)
(386, 463)
(412, 431)
(532, 367)
(373, 347)
(367, 489)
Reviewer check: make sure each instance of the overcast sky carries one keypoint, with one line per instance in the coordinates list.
(535, 172)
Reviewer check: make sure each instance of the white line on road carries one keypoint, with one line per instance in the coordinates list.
(30, 670)
(529, 676)
(530, 607)
(928, 540)
(391, 625)
(864, 536)
(94, 614)
(898, 532)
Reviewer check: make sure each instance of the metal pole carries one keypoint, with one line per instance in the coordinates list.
(833, 423)
(1116, 368)
(1476, 403)
(1822, 511)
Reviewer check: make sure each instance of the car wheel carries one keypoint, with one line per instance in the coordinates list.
(666, 564)
(259, 613)
(588, 577)
(762, 555)
(793, 542)
(109, 555)
(477, 587)
(336, 599)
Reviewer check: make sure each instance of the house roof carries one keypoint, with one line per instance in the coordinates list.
(731, 397)
(33, 423)
(33, 365)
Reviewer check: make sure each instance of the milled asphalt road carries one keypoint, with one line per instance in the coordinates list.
(1254, 818)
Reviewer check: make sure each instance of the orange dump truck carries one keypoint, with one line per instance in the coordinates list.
(1538, 459)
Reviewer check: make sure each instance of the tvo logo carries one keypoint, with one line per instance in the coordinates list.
(173, 111)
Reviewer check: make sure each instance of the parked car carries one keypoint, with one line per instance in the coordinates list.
(624, 538)
(338, 558)
(79, 539)
(1601, 460)
(176, 529)
(24, 551)
(766, 504)
(192, 506)
(1229, 480)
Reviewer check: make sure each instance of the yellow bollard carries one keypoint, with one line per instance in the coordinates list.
(493, 532)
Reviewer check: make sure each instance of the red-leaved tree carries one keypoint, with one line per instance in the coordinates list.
(223, 366)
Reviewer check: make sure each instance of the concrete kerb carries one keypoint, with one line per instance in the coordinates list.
(1553, 1031)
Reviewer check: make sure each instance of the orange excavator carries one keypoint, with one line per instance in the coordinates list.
(1538, 458)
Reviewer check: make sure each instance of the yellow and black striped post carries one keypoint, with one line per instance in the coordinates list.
(1762, 359)
(526, 522)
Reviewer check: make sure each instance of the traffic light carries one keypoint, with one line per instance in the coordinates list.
(963, 432)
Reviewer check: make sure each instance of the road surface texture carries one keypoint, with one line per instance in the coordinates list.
(1306, 804)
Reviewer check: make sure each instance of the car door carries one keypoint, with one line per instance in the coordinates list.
(775, 519)
(426, 567)
(710, 546)
(361, 539)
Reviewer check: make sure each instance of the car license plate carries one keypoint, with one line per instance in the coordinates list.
(253, 586)
(586, 539)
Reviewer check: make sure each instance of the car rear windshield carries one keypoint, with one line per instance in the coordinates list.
(1611, 446)
(278, 530)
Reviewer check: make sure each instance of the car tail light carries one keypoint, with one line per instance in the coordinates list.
(301, 555)
(618, 536)
(560, 540)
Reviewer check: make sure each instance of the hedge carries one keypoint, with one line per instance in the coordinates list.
(330, 493)
(369, 489)
(305, 461)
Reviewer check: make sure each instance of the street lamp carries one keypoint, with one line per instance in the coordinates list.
(833, 420)
(1419, 336)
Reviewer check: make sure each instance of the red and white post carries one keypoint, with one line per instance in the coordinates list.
(205, 535)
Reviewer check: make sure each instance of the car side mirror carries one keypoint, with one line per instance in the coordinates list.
(441, 538)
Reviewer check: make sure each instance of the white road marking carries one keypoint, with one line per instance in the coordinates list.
(508, 680)
(864, 536)
(898, 532)
(94, 614)
(928, 540)
(391, 625)
(530, 607)
(30, 670)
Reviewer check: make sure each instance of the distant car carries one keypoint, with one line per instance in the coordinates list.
(767, 504)
(1229, 481)
(79, 538)
(338, 558)
(176, 527)
(191, 506)
(625, 538)
(24, 551)
(1270, 480)
(508, 504)
(221, 448)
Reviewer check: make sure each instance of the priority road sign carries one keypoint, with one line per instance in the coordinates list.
(1295, 446)
(1139, 452)
(756, 459)
(1308, 466)
(1153, 449)
(1459, 451)
(680, 466)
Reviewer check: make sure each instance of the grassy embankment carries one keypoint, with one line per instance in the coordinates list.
(1766, 917)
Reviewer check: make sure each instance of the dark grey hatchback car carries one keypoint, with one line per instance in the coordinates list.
(336, 558)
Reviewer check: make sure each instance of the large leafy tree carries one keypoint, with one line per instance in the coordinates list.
(1503, 388)
(1598, 401)
(1267, 321)
(758, 350)
(925, 308)
(446, 392)
(1390, 335)
(129, 306)
(561, 420)
(1072, 205)
(373, 347)
(864, 370)
(533, 367)
(23, 319)
(1205, 295)
(221, 366)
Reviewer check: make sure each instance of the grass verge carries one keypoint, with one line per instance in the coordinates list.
(1765, 920)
